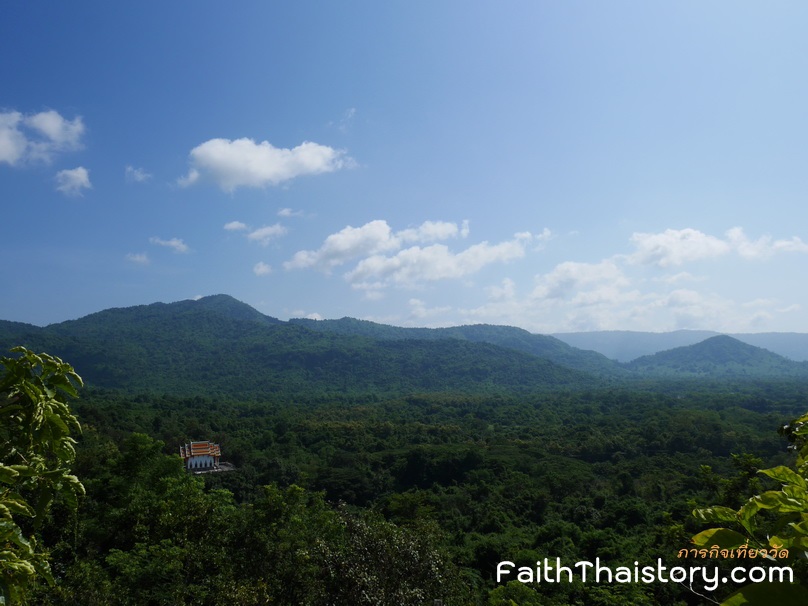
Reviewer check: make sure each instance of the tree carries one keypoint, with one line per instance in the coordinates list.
(771, 524)
(36, 452)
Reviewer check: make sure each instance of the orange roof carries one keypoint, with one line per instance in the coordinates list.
(198, 449)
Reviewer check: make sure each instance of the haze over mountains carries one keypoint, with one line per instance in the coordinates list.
(220, 345)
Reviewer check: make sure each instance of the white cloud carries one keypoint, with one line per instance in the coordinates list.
(138, 258)
(189, 179)
(288, 212)
(507, 290)
(136, 175)
(13, 143)
(414, 265)
(616, 293)
(570, 277)
(692, 309)
(764, 246)
(545, 235)
(235, 226)
(71, 182)
(431, 231)
(371, 238)
(675, 247)
(263, 235)
(64, 133)
(262, 269)
(174, 243)
(348, 243)
(245, 163)
(420, 311)
(37, 137)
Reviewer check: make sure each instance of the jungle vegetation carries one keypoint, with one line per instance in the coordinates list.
(377, 471)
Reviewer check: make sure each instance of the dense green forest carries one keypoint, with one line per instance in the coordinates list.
(401, 476)
(400, 500)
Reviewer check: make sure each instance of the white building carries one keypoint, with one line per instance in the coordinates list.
(200, 455)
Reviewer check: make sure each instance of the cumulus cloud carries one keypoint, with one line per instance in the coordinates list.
(71, 182)
(244, 163)
(371, 238)
(37, 137)
(617, 293)
(176, 244)
(418, 264)
(138, 258)
(571, 277)
(264, 235)
(235, 226)
(288, 212)
(262, 269)
(349, 243)
(674, 247)
(763, 246)
(136, 175)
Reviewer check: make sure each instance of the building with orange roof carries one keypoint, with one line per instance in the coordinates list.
(200, 455)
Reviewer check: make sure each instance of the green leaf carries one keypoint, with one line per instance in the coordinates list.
(716, 514)
(17, 505)
(785, 475)
(747, 513)
(723, 537)
(7, 474)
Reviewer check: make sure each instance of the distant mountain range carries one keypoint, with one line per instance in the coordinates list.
(218, 345)
(625, 345)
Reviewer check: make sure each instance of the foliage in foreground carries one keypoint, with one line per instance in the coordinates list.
(773, 524)
(36, 452)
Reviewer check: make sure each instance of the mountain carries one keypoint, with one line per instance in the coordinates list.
(719, 356)
(218, 345)
(626, 345)
(792, 345)
(542, 346)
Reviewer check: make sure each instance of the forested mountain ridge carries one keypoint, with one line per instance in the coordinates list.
(511, 337)
(220, 345)
(719, 356)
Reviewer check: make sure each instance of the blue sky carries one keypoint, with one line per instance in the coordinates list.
(551, 165)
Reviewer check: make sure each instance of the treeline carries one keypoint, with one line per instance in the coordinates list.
(401, 500)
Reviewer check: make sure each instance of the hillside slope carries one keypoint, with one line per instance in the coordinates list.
(719, 356)
(509, 337)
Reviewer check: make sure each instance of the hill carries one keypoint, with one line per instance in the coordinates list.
(626, 345)
(542, 346)
(719, 356)
(218, 345)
